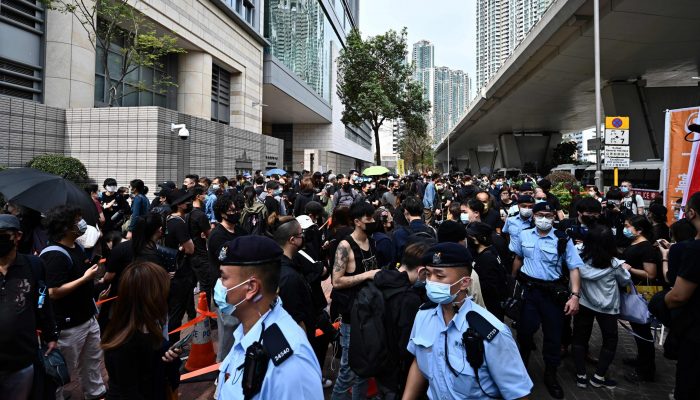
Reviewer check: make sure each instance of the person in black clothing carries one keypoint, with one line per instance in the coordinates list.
(113, 203)
(70, 280)
(294, 290)
(405, 294)
(412, 211)
(684, 300)
(614, 216)
(177, 237)
(491, 216)
(552, 200)
(305, 195)
(657, 217)
(200, 229)
(487, 264)
(139, 364)
(23, 310)
(641, 260)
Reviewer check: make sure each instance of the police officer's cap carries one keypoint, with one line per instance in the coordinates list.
(525, 199)
(250, 251)
(446, 255)
(526, 186)
(544, 206)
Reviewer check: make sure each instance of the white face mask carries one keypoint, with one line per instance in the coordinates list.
(111, 189)
(544, 224)
(526, 212)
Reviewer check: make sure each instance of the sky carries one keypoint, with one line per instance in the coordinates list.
(448, 24)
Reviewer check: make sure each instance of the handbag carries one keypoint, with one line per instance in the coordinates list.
(55, 366)
(633, 306)
(649, 290)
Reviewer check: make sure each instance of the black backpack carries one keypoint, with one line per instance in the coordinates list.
(427, 235)
(369, 351)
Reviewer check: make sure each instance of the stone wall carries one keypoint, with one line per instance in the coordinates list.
(28, 129)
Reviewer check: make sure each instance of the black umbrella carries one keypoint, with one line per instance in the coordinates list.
(42, 191)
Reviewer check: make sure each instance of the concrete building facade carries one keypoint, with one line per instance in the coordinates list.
(52, 71)
(299, 84)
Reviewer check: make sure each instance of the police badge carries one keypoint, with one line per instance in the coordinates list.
(222, 253)
(437, 258)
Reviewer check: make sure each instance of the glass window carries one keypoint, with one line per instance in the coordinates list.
(220, 95)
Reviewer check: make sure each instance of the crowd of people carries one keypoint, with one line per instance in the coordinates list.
(439, 284)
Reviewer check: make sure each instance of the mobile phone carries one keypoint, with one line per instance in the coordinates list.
(183, 341)
(663, 243)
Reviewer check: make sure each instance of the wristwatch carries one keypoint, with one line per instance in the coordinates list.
(575, 294)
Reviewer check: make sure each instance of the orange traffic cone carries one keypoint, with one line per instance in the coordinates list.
(202, 349)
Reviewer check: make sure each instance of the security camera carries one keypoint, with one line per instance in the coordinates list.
(182, 131)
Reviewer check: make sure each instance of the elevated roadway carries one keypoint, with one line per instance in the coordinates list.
(650, 55)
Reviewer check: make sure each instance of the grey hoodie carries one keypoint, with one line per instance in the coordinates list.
(600, 288)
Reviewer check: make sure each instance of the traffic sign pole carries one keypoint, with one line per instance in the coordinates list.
(596, 51)
(615, 177)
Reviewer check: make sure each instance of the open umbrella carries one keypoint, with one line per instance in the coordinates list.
(42, 191)
(274, 171)
(375, 170)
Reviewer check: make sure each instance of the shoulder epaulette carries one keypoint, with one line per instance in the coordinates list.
(276, 345)
(482, 325)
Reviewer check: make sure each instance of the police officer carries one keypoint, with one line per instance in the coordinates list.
(540, 252)
(461, 350)
(271, 357)
(523, 219)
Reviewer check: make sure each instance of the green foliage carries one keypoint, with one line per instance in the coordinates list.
(415, 146)
(562, 177)
(115, 21)
(563, 192)
(67, 167)
(374, 82)
(564, 153)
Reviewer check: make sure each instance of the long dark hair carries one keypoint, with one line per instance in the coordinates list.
(144, 229)
(599, 246)
(143, 302)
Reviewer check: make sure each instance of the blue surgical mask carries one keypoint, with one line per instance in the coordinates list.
(624, 189)
(82, 226)
(628, 233)
(440, 292)
(220, 292)
(464, 217)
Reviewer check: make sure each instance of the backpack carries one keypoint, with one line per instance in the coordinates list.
(346, 199)
(427, 235)
(369, 353)
(254, 219)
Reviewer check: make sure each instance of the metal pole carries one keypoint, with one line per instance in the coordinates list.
(448, 153)
(596, 46)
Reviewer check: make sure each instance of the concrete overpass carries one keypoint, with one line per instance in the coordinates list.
(650, 54)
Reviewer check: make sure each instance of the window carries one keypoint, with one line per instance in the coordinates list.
(141, 85)
(21, 51)
(220, 95)
(249, 12)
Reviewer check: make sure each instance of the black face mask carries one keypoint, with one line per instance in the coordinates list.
(232, 218)
(6, 245)
(588, 220)
(370, 228)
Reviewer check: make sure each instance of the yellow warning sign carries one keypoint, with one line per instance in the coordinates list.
(620, 123)
(400, 168)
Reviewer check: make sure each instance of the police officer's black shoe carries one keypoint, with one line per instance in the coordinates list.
(552, 384)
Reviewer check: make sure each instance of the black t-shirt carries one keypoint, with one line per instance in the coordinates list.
(198, 222)
(638, 254)
(492, 278)
(690, 271)
(120, 204)
(121, 256)
(219, 235)
(78, 306)
(296, 295)
(492, 218)
(176, 232)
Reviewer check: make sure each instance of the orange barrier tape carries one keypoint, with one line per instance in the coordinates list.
(336, 325)
(203, 315)
(105, 300)
(199, 372)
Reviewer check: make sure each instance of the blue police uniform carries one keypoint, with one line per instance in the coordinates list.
(432, 342)
(298, 377)
(544, 293)
(516, 224)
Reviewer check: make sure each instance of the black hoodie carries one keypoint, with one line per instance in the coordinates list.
(400, 311)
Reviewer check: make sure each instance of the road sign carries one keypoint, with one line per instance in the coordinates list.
(617, 151)
(617, 123)
(617, 162)
(617, 136)
(594, 144)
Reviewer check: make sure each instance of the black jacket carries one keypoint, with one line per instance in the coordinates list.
(399, 312)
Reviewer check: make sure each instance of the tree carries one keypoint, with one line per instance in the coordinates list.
(110, 21)
(415, 146)
(374, 82)
(68, 167)
(564, 153)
